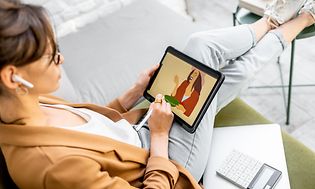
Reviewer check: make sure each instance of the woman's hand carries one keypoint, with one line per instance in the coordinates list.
(144, 78)
(160, 124)
(161, 119)
(131, 96)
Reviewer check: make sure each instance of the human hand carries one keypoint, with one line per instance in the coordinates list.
(133, 94)
(161, 118)
(144, 78)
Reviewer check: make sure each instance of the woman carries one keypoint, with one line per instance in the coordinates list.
(188, 92)
(50, 143)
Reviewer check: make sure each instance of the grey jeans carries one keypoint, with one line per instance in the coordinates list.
(236, 53)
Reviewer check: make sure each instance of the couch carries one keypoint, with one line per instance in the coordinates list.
(104, 58)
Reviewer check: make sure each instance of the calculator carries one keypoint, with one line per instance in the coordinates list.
(248, 173)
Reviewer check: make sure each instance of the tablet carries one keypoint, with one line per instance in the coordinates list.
(188, 85)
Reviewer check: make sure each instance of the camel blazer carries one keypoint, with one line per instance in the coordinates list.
(55, 158)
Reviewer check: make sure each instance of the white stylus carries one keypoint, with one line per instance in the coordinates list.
(145, 119)
(23, 81)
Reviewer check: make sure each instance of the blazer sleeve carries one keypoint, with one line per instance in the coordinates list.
(84, 173)
(160, 173)
(115, 104)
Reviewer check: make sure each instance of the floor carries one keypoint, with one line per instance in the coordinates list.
(269, 101)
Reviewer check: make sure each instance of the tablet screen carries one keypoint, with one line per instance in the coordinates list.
(184, 86)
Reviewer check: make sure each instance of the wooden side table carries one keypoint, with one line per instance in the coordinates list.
(249, 18)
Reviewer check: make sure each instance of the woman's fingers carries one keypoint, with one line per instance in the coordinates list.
(157, 102)
(152, 105)
(164, 105)
(151, 70)
(162, 117)
(168, 107)
(161, 104)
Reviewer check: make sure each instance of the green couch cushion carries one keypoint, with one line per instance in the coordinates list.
(300, 162)
(238, 113)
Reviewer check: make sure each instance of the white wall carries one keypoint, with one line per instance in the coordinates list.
(69, 15)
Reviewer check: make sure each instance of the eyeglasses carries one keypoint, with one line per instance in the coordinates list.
(57, 58)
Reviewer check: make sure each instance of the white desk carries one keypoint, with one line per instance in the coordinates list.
(262, 142)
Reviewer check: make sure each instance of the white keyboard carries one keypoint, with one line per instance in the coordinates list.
(239, 169)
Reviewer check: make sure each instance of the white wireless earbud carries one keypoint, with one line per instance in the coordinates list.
(22, 81)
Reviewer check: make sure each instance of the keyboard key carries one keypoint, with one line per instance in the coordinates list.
(240, 168)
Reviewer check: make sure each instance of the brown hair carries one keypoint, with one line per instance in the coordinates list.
(197, 85)
(25, 33)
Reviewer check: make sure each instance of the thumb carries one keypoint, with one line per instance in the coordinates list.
(153, 69)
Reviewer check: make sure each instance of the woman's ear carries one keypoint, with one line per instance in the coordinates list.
(6, 74)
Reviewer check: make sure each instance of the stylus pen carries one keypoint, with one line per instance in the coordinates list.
(145, 119)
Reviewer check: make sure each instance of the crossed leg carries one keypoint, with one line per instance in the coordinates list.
(216, 48)
(241, 71)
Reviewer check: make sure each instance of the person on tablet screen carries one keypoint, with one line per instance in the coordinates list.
(188, 92)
